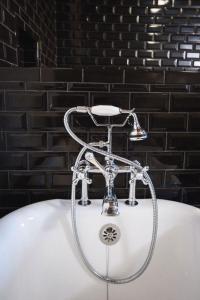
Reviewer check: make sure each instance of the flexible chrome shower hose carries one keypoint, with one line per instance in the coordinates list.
(73, 210)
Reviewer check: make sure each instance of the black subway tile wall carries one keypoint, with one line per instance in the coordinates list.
(36, 154)
(35, 19)
(142, 34)
(156, 34)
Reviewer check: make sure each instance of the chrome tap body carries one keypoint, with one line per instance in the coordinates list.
(110, 170)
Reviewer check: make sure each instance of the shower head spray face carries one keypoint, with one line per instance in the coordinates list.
(137, 133)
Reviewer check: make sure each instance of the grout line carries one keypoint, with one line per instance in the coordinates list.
(166, 141)
(82, 75)
(184, 160)
(6, 140)
(4, 100)
(129, 99)
(148, 122)
(9, 180)
(187, 121)
(169, 103)
(164, 179)
(164, 77)
(124, 76)
(40, 74)
(28, 160)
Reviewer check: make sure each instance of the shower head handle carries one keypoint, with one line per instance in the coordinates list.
(103, 110)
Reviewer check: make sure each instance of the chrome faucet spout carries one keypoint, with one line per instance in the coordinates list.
(110, 203)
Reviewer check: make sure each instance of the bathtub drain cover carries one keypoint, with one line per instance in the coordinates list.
(109, 234)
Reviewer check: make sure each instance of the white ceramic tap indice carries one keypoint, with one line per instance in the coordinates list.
(39, 260)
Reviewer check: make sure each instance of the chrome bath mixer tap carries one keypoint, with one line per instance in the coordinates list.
(110, 170)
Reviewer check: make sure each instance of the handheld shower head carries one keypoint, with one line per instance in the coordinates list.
(137, 133)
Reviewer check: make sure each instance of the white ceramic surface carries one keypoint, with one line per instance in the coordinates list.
(39, 260)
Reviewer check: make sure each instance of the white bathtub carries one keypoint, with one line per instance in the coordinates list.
(39, 260)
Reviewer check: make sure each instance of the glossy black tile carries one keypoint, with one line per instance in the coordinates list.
(98, 181)
(132, 155)
(30, 180)
(133, 76)
(61, 74)
(154, 142)
(183, 141)
(84, 122)
(109, 75)
(191, 196)
(173, 194)
(157, 178)
(117, 99)
(17, 85)
(3, 180)
(167, 122)
(2, 141)
(1, 100)
(165, 160)
(61, 180)
(23, 101)
(93, 193)
(5, 37)
(182, 77)
(124, 193)
(119, 142)
(48, 161)
(148, 102)
(48, 194)
(63, 142)
(183, 178)
(46, 121)
(64, 101)
(194, 124)
(11, 55)
(185, 102)
(195, 88)
(19, 74)
(193, 160)
(13, 199)
(13, 161)
(12, 121)
(27, 141)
